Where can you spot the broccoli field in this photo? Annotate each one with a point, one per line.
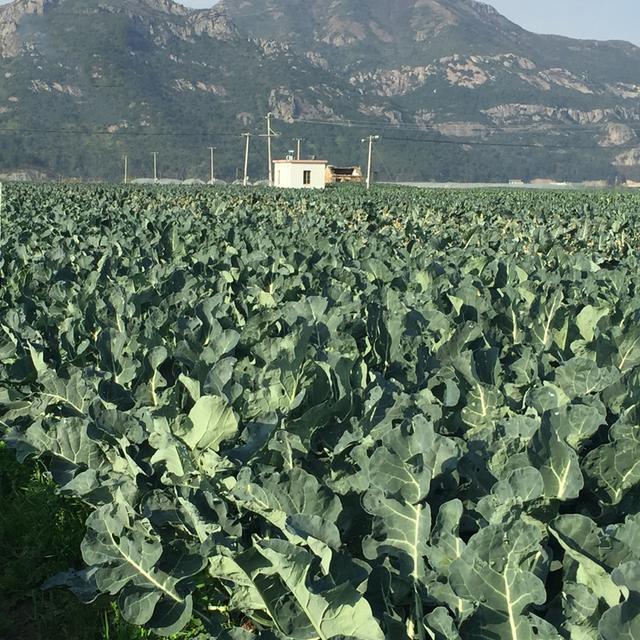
(401, 414)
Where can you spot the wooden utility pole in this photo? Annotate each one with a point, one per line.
(246, 158)
(211, 150)
(126, 169)
(371, 139)
(155, 166)
(298, 143)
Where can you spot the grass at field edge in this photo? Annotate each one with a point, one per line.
(40, 535)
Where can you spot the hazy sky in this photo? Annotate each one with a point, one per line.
(198, 4)
(599, 19)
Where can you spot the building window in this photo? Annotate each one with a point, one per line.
(306, 177)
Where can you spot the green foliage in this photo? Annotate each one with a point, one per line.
(401, 414)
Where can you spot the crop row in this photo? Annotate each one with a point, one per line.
(400, 415)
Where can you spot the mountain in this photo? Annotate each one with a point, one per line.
(456, 90)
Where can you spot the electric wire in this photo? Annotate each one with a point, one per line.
(102, 132)
(475, 143)
(550, 127)
(400, 128)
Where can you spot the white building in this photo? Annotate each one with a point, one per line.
(300, 174)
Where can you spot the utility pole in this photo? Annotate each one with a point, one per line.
(270, 134)
(155, 166)
(370, 159)
(246, 158)
(126, 169)
(211, 150)
(269, 149)
(298, 143)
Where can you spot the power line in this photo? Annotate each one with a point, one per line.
(473, 143)
(520, 145)
(437, 128)
(347, 124)
(413, 128)
(101, 132)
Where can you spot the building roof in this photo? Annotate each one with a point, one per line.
(301, 162)
(345, 170)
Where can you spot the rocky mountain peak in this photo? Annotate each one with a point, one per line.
(352, 34)
(455, 68)
(24, 6)
(15, 9)
(164, 19)
(10, 16)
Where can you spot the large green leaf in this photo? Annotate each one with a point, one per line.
(623, 620)
(400, 530)
(587, 320)
(495, 572)
(614, 468)
(576, 423)
(444, 549)
(628, 350)
(295, 503)
(581, 611)
(594, 553)
(580, 377)
(557, 462)
(128, 558)
(212, 422)
(68, 443)
(336, 611)
(520, 487)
